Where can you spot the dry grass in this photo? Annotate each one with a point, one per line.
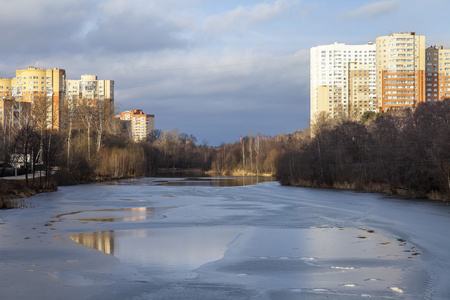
(372, 188)
(12, 191)
(238, 172)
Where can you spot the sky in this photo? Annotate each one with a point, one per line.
(215, 69)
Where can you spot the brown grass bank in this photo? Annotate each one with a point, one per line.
(372, 188)
(12, 190)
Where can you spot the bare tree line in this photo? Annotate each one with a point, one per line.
(252, 155)
(28, 139)
(91, 145)
(403, 152)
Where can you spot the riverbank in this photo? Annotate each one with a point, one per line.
(14, 189)
(238, 172)
(386, 189)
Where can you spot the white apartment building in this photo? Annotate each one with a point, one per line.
(93, 91)
(138, 124)
(343, 80)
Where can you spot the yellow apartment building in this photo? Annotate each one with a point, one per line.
(32, 85)
(52, 90)
(400, 63)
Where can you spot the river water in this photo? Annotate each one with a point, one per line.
(223, 238)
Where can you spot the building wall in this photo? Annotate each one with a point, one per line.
(432, 74)
(400, 61)
(92, 90)
(444, 74)
(12, 111)
(5, 88)
(58, 93)
(362, 90)
(46, 90)
(33, 85)
(330, 74)
(437, 73)
(141, 124)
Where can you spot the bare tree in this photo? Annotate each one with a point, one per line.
(23, 141)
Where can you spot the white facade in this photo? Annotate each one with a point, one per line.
(140, 124)
(91, 90)
(330, 67)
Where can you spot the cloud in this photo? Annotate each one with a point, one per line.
(371, 11)
(121, 27)
(41, 26)
(246, 16)
(232, 88)
(50, 27)
(162, 62)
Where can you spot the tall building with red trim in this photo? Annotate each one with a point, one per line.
(140, 125)
(400, 64)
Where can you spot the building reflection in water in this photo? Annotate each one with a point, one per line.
(163, 248)
(227, 181)
(100, 240)
(117, 215)
(281, 256)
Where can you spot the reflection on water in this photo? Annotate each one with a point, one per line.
(215, 181)
(101, 240)
(163, 248)
(117, 215)
(257, 251)
(223, 181)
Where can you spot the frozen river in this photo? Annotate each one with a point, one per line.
(218, 238)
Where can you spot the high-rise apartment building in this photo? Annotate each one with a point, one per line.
(90, 90)
(33, 85)
(140, 125)
(48, 91)
(437, 73)
(343, 80)
(400, 63)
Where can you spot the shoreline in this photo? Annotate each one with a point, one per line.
(16, 189)
(13, 190)
(385, 189)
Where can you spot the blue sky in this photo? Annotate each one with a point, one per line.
(214, 69)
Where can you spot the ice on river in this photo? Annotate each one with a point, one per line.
(159, 239)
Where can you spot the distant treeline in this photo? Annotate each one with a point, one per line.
(91, 146)
(404, 152)
(251, 155)
(120, 157)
